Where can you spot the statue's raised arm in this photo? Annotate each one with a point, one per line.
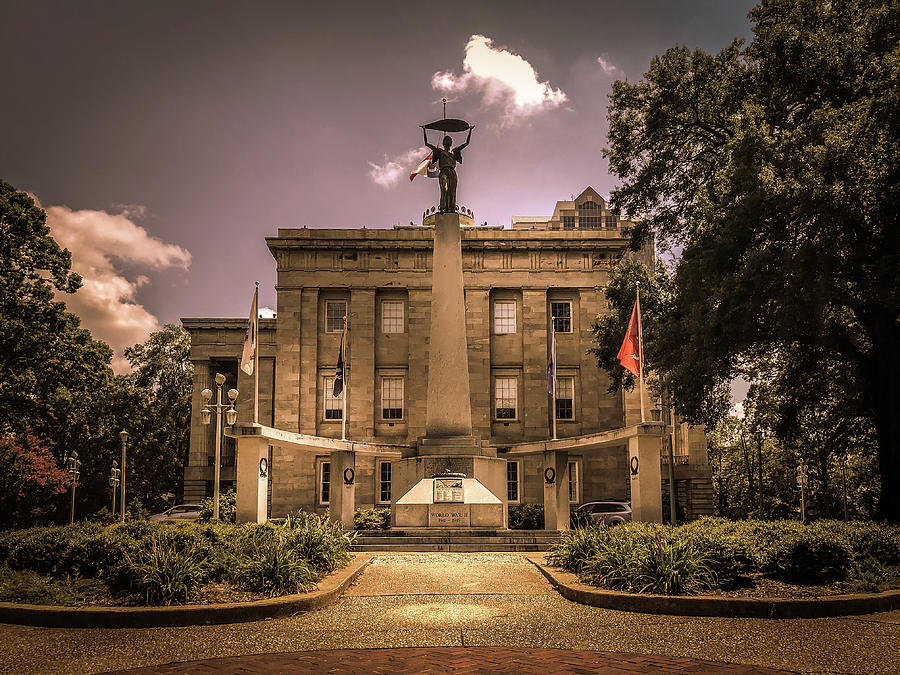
(468, 138)
(433, 148)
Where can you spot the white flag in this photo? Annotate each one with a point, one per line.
(248, 356)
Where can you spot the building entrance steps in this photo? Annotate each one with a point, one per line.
(460, 541)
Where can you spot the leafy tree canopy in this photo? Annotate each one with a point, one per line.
(775, 166)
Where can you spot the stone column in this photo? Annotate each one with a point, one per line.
(448, 411)
(252, 487)
(644, 472)
(342, 500)
(556, 493)
(197, 470)
(287, 360)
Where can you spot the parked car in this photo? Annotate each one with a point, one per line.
(180, 512)
(609, 511)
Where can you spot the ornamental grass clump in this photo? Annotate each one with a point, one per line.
(166, 573)
(577, 546)
(270, 565)
(324, 545)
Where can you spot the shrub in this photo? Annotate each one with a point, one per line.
(271, 566)
(809, 557)
(33, 588)
(372, 519)
(526, 517)
(322, 544)
(166, 573)
(227, 508)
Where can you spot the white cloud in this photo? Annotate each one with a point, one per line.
(266, 313)
(102, 244)
(502, 77)
(608, 66)
(394, 169)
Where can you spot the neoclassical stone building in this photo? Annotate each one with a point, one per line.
(516, 280)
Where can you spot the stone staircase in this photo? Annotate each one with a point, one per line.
(454, 541)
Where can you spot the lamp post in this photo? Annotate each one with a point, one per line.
(114, 483)
(74, 466)
(124, 436)
(231, 418)
(801, 481)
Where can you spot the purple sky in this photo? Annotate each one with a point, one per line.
(170, 138)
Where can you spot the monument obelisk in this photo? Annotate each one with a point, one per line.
(450, 478)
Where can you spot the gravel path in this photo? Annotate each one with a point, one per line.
(465, 599)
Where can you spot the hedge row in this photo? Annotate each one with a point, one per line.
(717, 553)
(163, 563)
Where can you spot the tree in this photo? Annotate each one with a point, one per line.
(775, 166)
(29, 479)
(50, 369)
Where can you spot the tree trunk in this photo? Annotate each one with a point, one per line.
(886, 404)
(749, 470)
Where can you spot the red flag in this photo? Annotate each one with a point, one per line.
(631, 354)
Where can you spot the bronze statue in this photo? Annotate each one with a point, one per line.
(447, 159)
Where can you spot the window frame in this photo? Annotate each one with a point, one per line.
(518, 482)
(515, 318)
(573, 482)
(335, 302)
(556, 398)
(379, 463)
(327, 388)
(515, 390)
(320, 481)
(384, 304)
(553, 324)
(402, 380)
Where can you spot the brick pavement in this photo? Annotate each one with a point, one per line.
(451, 660)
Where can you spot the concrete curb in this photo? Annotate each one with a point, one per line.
(329, 589)
(705, 605)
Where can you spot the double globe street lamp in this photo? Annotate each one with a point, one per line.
(73, 465)
(114, 483)
(230, 418)
(124, 436)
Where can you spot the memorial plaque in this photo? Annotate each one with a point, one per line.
(448, 491)
(448, 515)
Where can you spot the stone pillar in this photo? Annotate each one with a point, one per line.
(252, 484)
(287, 360)
(448, 411)
(556, 493)
(197, 470)
(309, 362)
(644, 473)
(361, 370)
(342, 501)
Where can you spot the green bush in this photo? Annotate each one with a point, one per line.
(227, 507)
(526, 517)
(166, 573)
(36, 589)
(577, 546)
(322, 544)
(271, 566)
(372, 519)
(809, 557)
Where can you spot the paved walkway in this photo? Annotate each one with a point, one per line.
(458, 605)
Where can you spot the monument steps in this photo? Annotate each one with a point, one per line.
(455, 540)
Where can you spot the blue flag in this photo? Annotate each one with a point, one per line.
(339, 370)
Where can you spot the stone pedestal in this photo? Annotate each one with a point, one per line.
(556, 490)
(342, 500)
(644, 474)
(252, 483)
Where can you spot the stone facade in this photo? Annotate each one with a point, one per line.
(514, 279)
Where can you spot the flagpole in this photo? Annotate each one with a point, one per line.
(256, 359)
(641, 347)
(346, 383)
(555, 366)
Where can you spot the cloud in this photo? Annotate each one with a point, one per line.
(102, 244)
(502, 77)
(394, 169)
(608, 66)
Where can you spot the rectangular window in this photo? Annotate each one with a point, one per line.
(565, 398)
(334, 316)
(512, 481)
(392, 398)
(505, 395)
(573, 482)
(324, 482)
(568, 222)
(392, 316)
(334, 405)
(504, 316)
(610, 221)
(384, 482)
(561, 315)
